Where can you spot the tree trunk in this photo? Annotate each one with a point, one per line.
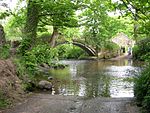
(135, 29)
(2, 36)
(54, 36)
(32, 20)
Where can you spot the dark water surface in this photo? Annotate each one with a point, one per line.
(96, 78)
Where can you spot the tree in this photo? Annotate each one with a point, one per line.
(38, 13)
(30, 27)
(94, 20)
(99, 26)
(59, 14)
(32, 20)
(5, 10)
(139, 11)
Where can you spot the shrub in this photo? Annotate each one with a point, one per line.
(136, 53)
(45, 37)
(27, 64)
(24, 46)
(146, 104)
(111, 46)
(75, 52)
(70, 51)
(146, 57)
(142, 89)
(5, 51)
(142, 50)
(36, 56)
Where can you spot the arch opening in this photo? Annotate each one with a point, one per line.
(87, 49)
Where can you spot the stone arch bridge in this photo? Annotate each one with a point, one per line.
(91, 51)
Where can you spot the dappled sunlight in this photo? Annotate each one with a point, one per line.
(120, 88)
(121, 71)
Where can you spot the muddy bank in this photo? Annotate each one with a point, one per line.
(10, 84)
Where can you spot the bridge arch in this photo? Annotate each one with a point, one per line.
(86, 48)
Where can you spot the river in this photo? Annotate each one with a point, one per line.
(91, 78)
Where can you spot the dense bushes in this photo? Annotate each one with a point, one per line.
(142, 90)
(111, 46)
(142, 83)
(5, 51)
(142, 50)
(39, 54)
(29, 61)
(70, 52)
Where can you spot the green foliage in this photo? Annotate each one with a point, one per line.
(111, 46)
(28, 62)
(44, 35)
(142, 50)
(43, 53)
(15, 24)
(21, 69)
(94, 19)
(24, 74)
(5, 51)
(142, 89)
(146, 104)
(4, 102)
(24, 46)
(139, 12)
(70, 52)
(29, 86)
(146, 57)
(58, 13)
(3, 15)
(75, 52)
(71, 33)
(43, 38)
(136, 52)
(99, 26)
(4, 9)
(38, 55)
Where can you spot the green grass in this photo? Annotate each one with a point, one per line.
(4, 103)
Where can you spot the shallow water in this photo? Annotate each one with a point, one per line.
(96, 78)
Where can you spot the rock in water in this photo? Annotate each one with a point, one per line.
(43, 84)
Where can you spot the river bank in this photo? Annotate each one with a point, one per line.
(87, 81)
(11, 90)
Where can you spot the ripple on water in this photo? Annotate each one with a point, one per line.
(95, 78)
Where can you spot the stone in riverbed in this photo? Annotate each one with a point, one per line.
(43, 84)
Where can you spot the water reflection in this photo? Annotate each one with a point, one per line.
(95, 78)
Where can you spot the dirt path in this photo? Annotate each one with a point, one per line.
(45, 103)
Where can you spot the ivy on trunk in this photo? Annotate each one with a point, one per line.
(32, 20)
